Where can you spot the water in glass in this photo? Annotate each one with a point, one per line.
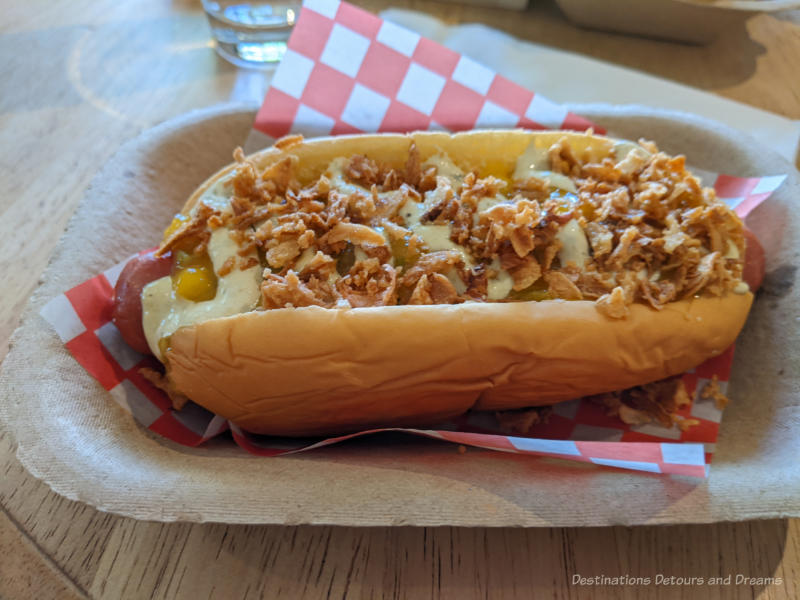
(251, 34)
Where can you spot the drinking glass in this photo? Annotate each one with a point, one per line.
(251, 34)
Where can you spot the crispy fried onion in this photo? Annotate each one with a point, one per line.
(288, 291)
(193, 233)
(515, 222)
(428, 279)
(655, 234)
(166, 385)
(369, 283)
(658, 401)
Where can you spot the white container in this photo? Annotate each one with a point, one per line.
(504, 4)
(690, 21)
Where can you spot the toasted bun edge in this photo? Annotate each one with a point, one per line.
(311, 371)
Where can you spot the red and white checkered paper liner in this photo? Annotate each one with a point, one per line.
(348, 71)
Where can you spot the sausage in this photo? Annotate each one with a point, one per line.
(754, 261)
(127, 311)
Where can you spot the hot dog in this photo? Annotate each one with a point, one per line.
(330, 285)
(127, 311)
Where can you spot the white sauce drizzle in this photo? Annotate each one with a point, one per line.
(411, 212)
(487, 203)
(335, 171)
(305, 258)
(557, 180)
(445, 167)
(633, 160)
(499, 286)
(574, 245)
(732, 251)
(624, 147)
(359, 254)
(164, 311)
(434, 197)
(437, 237)
(535, 162)
(456, 280)
(218, 196)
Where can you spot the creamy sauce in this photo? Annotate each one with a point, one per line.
(434, 197)
(533, 160)
(445, 167)
(164, 311)
(643, 275)
(499, 286)
(335, 172)
(732, 251)
(456, 280)
(359, 254)
(305, 258)
(487, 203)
(218, 196)
(624, 147)
(437, 237)
(574, 245)
(741, 288)
(557, 180)
(411, 212)
(633, 161)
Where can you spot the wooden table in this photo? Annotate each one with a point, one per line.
(81, 77)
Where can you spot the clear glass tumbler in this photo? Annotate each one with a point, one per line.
(251, 34)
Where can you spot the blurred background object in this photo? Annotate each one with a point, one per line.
(691, 21)
(509, 4)
(251, 34)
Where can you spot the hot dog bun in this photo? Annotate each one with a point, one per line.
(313, 370)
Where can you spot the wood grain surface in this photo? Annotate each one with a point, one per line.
(81, 77)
